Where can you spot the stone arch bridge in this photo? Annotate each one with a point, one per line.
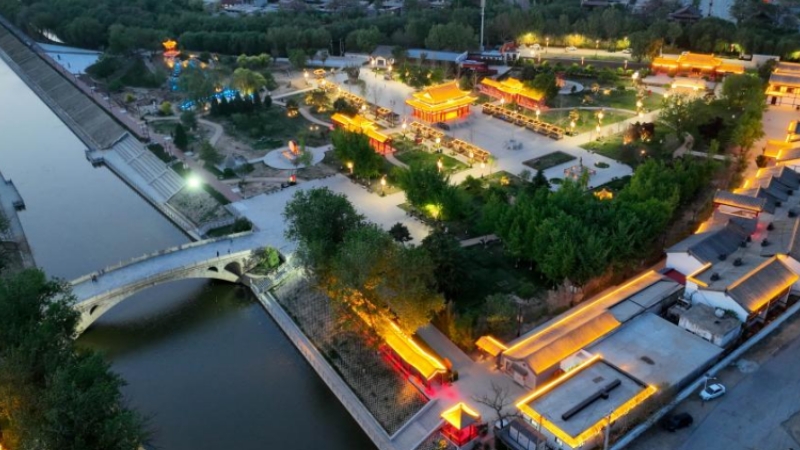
(226, 259)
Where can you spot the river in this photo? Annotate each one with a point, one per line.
(203, 361)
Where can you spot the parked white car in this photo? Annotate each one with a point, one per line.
(712, 391)
(536, 47)
(627, 51)
(571, 49)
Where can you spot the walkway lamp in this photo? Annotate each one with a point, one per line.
(626, 64)
(483, 168)
(438, 142)
(383, 185)
(439, 165)
(596, 47)
(538, 111)
(600, 116)
(305, 76)
(404, 126)
(546, 45)
(641, 114)
(350, 166)
(471, 158)
(193, 181)
(639, 104)
(635, 76)
(572, 126)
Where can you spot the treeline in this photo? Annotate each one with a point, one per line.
(142, 24)
(52, 395)
(239, 105)
(572, 235)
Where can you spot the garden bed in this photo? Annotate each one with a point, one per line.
(449, 164)
(198, 206)
(549, 160)
(388, 396)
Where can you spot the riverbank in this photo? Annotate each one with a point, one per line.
(18, 254)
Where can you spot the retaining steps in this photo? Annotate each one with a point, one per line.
(163, 180)
(93, 125)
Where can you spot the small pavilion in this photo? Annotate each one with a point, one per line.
(170, 48)
(460, 424)
(512, 90)
(442, 103)
(380, 142)
(696, 64)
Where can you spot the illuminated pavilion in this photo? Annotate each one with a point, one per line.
(460, 424)
(696, 64)
(784, 85)
(512, 90)
(441, 103)
(410, 358)
(170, 48)
(380, 142)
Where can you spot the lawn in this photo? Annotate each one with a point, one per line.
(410, 153)
(614, 99)
(587, 120)
(549, 160)
(660, 146)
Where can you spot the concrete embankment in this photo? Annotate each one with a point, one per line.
(106, 140)
(86, 119)
(315, 359)
(10, 203)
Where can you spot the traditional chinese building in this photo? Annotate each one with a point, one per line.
(460, 424)
(784, 85)
(513, 91)
(410, 358)
(441, 103)
(697, 65)
(170, 48)
(380, 142)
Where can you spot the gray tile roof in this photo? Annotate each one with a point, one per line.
(708, 246)
(761, 284)
(740, 201)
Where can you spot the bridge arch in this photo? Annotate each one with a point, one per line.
(96, 295)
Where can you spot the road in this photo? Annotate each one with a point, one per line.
(760, 410)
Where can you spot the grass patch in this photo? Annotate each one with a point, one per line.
(549, 160)
(614, 99)
(449, 165)
(271, 128)
(661, 145)
(587, 119)
(240, 225)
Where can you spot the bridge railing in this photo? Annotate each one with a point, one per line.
(167, 251)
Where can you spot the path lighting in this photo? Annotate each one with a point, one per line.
(596, 47)
(635, 76)
(438, 141)
(546, 44)
(305, 75)
(639, 103)
(600, 116)
(383, 185)
(572, 126)
(538, 111)
(404, 126)
(641, 114)
(626, 64)
(350, 166)
(439, 165)
(193, 181)
(483, 168)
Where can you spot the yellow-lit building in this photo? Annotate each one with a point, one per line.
(784, 85)
(442, 103)
(380, 142)
(512, 90)
(410, 357)
(696, 64)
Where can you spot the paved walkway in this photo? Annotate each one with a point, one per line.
(277, 160)
(479, 240)
(304, 111)
(393, 159)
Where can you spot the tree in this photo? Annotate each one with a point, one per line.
(354, 148)
(318, 220)
(499, 312)
(641, 45)
(52, 395)
(209, 154)
(400, 233)
(545, 83)
(318, 98)
(165, 109)
(497, 399)
(451, 36)
(198, 84)
(180, 138)
(742, 90)
(189, 119)
(298, 58)
(247, 81)
(450, 263)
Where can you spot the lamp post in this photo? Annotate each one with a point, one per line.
(350, 166)
(600, 116)
(383, 185)
(538, 111)
(471, 158)
(439, 165)
(438, 141)
(626, 64)
(404, 126)
(597, 130)
(546, 45)
(572, 127)
(596, 47)
(305, 76)
(483, 168)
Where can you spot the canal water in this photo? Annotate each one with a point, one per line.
(203, 361)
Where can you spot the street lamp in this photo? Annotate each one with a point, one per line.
(193, 181)
(350, 166)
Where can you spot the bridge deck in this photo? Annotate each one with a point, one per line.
(150, 266)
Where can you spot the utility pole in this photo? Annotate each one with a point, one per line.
(483, 14)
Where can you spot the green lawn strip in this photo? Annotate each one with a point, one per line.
(549, 160)
(450, 165)
(631, 154)
(272, 128)
(586, 122)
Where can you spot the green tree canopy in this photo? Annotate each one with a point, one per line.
(350, 147)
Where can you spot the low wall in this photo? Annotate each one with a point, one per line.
(331, 378)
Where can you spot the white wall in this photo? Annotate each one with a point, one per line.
(683, 262)
(717, 299)
(794, 265)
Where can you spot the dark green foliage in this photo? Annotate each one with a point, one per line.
(354, 148)
(400, 233)
(53, 396)
(430, 191)
(180, 137)
(341, 105)
(449, 261)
